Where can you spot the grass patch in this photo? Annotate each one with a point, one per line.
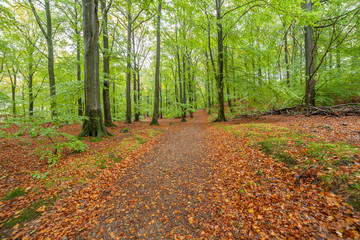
(140, 139)
(334, 161)
(113, 157)
(97, 139)
(18, 192)
(102, 164)
(276, 148)
(27, 214)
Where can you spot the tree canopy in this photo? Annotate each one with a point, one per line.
(246, 54)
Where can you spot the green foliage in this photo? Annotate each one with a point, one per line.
(60, 141)
(39, 175)
(125, 130)
(52, 142)
(18, 192)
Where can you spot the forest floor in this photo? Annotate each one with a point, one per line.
(269, 177)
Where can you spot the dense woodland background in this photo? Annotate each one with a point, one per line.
(252, 55)
(105, 64)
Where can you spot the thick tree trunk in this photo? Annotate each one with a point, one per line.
(309, 59)
(220, 75)
(93, 126)
(155, 117)
(128, 65)
(106, 66)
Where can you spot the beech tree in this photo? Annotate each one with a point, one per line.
(155, 117)
(106, 63)
(93, 125)
(47, 31)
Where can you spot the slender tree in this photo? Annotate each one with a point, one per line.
(46, 30)
(155, 117)
(106, 64)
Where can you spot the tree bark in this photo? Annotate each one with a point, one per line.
(78, 58)
(93, 126)
(106, 66)
(49, 41)
(226, 62)
(286, 56)
(13, 79)
(220, 75)
(309, 59)
(128, 65)
(183, 118)
(155, 117)
(30, 83)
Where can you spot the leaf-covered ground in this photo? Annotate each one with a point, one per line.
(266, 178)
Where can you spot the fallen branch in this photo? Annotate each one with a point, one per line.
(351, 109)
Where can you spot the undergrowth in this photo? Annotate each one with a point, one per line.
(299, 151)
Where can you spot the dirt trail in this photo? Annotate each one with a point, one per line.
(165, 196)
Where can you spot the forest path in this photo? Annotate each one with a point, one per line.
(165, 196)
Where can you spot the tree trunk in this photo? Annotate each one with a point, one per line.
(128, 65)
(30, 86)
(287, 57)
(106, 66)
(137, 113)
(78, 58)
(183, 118)
(93, 126)
(49, 42)
(309, 59)
(180, 81)
(12, 76)
(220, 75)
(155, 117)
(226, 62)
(190, 90)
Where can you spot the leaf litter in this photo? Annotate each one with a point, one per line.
(201, 181)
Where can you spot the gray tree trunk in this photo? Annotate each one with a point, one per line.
(309, 59)
(220, 75)
(128, 65)
(155, 116)
(93, 126)
(286, 56)
(49, 41)
(78, 57)
(106, 66)
(30, 83)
